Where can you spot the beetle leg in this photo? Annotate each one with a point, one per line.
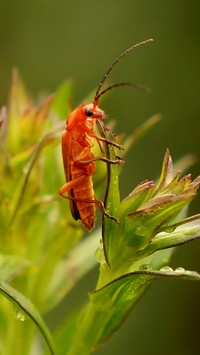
(98, 203)
(108, 129)
(101, 139)
(70, 185)
(100, 146)
(102, 209)
(105, 160)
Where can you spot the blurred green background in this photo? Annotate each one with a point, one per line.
(51, 40)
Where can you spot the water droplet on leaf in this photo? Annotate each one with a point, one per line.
(166, 269)
(145, 267)
(20, 315)
(170, 229)
(180, 270)
(99, 255)
(141, 230)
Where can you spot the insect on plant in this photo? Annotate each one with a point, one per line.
(77, 151)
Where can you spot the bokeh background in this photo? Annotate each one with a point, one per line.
(51, 40)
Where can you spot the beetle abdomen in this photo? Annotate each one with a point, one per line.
(86, 209)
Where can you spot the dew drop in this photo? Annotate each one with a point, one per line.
(145, 267)
(180, 270)
(20, 315)
(166, 269)
(99, 255)
(170, 229)
(141, 230)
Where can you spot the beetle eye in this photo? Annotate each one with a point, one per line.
(88, 112)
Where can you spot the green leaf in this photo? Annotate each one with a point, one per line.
(166, 173)
(141, 226)
(136, 198)
(94, 323)
(18, 98)
(61, 103)
(27, 308)
(181, 235)
(108, 308)
(114, 300)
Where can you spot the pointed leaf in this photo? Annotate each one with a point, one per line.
(166, 173)
(108, 308)
(19, 100)
(61, 104)
(136, 198)
(115, 300)
(181, 235)
(141, 226)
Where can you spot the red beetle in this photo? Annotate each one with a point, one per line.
(78, 157)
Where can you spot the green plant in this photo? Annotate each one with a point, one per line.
(42, 251)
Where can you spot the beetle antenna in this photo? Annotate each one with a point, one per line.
(98, 94)
(114, 86)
